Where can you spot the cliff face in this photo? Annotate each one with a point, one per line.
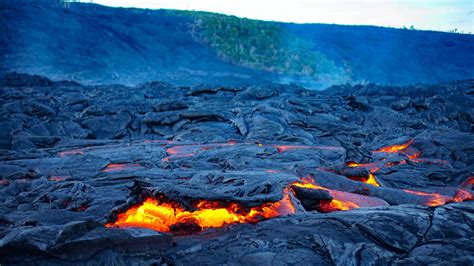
(96, 44)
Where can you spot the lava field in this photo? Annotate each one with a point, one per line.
(269, 175)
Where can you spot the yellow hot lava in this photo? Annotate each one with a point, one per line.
(371, 180)
(118, 167)
(166, 216)
(170, 217)
(338, 203)
(434, 199)
(372, 168)
(395, 148)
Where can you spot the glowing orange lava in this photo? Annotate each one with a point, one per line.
(469, 182)
(372, 180)
(373, 167)
(56, 178)
(273, 171)
(71, 152)
(118, 167)
(354, 164)
(339, 201)
(166, 216)
(434, 199)
(414, 156)
(283, 148)
(338, 205)
(171, 217)
(395, 148)
(462, 195)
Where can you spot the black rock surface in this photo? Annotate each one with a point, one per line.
(72, 157)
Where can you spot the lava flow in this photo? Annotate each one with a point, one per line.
(341, 201)
(71, 152)
(168, 216)
(434, 199)
(395, 148)
(376, 166)
(118, 167)
(165, 216)
(332, 205)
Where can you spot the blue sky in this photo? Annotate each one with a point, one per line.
(443, 15)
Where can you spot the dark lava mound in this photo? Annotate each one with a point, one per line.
(235, 175)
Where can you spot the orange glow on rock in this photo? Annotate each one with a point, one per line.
(469, 182)
(171, 217)
(273, 171)
(166, 216)
(373, 167)
(340, 201)
(372, 180)
(414, 156)
(56, 178)
(395, 148)
(71, 152)
(366, 165)
(434, 199)
(462, 195)
(111, 167)
(283, 148)
(338, 205)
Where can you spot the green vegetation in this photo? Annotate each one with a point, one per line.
(261, 45)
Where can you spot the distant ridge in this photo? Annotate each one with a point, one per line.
(93, 44)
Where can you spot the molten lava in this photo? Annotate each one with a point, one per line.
(365, 165)
(434, 199)
(395, 148)
(469, 182)
(181, 151)
(373, 167)
(372, 181)
(71, 152)
(168, 216)
(462, 195)
(118, 167)
(171, 217)
(56, 178)
(273, 171)
(339, 202)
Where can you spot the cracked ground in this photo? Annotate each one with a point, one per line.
(267, 175)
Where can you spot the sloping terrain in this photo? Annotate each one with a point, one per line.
(238, 175)
(94, 44)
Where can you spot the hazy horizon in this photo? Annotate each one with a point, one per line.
(425, 15)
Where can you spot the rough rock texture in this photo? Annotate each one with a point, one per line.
(72, 157)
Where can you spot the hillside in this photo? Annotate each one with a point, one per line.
(96, 44)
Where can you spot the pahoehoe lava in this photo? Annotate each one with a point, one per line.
(268, 174)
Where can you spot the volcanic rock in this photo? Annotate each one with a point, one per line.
(311, 198)
(74, 158)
